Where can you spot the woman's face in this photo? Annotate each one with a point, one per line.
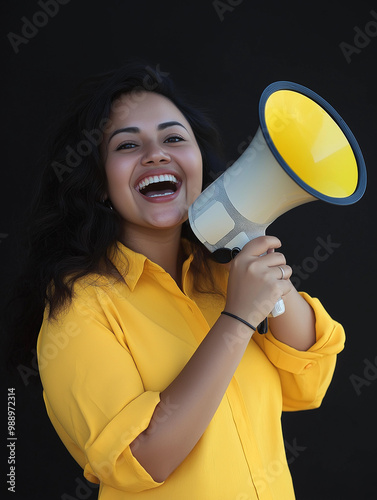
(152, 160)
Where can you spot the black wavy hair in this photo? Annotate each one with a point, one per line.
(70, 231)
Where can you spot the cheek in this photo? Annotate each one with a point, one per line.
(118, 176)
(194, 164)
(196, 174)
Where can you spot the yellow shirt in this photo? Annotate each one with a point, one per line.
(106, 359)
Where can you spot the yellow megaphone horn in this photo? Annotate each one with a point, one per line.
(303, 151)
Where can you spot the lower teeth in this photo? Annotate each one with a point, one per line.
(159, 194)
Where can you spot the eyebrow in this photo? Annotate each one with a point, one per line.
(136, 130)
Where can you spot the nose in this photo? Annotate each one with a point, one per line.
(155, 155)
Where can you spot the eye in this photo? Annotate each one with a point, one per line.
(174, 138)
(126, 145)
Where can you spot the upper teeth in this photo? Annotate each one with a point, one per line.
(154, 179)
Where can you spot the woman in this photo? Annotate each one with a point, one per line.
(154, 392)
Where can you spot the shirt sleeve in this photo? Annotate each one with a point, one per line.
(93, 391)
(306, 375)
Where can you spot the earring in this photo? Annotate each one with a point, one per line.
(107, 204)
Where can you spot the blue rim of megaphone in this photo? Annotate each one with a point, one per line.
(362, 175)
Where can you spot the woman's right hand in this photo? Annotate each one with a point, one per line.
(255, 280)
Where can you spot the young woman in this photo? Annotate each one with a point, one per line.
(154, 392)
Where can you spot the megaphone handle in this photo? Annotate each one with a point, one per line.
(279, 308)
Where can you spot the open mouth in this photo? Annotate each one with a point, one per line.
(158, 185)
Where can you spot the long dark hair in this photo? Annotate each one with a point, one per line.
(70, 231)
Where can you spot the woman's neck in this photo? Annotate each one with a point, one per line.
(163, 247)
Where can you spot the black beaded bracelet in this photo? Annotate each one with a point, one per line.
(239, 319)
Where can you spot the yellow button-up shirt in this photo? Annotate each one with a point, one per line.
(119, 344)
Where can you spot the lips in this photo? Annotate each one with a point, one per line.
(158, 186)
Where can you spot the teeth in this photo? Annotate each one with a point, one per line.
(153, 179)
(157, 195)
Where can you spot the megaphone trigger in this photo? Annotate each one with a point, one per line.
(222, 255)
(225, 255)
(235, 251)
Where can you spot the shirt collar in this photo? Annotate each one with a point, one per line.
(131, 265)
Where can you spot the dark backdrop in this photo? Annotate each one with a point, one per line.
(224, 54)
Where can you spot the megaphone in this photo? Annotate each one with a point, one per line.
(303, 151)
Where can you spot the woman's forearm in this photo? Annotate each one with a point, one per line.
(195, 394)
(192, 399)
(296, 327)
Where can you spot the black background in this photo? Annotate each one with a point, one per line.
(224, 58)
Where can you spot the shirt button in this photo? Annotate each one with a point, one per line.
(309, 365)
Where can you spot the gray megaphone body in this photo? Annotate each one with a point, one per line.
(303, 151)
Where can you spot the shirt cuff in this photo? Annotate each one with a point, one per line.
(330, 340)
(109, 457)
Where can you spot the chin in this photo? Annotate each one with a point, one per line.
(166, 222)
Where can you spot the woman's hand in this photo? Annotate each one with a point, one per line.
(255, 280)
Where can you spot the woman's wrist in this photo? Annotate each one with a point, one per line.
(234, 316)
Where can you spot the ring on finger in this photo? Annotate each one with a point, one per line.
(282, 272)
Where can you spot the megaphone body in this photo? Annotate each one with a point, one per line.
(303, 151)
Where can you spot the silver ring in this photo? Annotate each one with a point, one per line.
(282, 272)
